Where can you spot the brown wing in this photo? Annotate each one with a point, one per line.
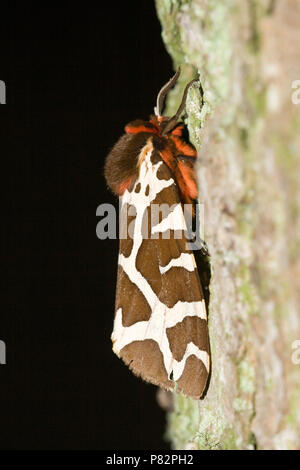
(160, 327)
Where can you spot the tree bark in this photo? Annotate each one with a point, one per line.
(247, 135)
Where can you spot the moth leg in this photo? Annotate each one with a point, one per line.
(203, 247)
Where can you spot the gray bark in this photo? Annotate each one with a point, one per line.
(247, 136)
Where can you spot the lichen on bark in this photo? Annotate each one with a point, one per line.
(248, 142)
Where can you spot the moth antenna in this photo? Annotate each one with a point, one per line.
(164, 90)
(175, 118)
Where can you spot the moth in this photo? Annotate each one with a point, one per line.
(160, 326)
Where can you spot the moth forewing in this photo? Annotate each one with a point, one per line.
(160, 327)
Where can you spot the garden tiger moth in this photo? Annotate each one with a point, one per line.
(160, 327)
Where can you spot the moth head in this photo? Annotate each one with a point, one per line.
(167, 124)
(159, 124)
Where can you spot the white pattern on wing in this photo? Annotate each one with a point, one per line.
(185, 260)
(162, 317)
(174, 221)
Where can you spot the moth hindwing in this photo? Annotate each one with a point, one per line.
(160, 327)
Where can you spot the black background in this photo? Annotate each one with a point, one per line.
(75, 75)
